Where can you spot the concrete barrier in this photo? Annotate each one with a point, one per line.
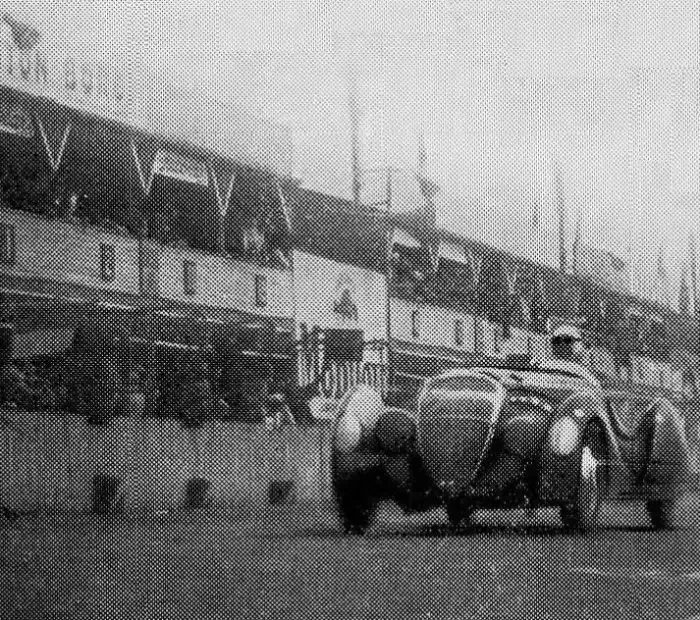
(49, 462)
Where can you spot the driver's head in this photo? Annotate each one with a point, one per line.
(567, 343)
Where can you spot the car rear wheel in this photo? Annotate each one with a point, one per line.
(582, 513)
(662, 513)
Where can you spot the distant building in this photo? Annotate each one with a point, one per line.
(602, 267)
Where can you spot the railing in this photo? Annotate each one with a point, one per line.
(335, 377)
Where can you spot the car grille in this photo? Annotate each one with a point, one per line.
(453, 433)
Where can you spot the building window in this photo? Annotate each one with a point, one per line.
(7, 244)
(107, 262)
(260, 291)
(415, 324)
(459, 333)
(190, 277)
(479, 343)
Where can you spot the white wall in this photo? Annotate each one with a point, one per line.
(436, 325)
(64, 252)
(224, 282)
(318, 282)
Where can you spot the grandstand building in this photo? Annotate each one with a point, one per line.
(142, 262)
(424, 301)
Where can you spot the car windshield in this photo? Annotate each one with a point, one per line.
(465, 383)
(526, 402)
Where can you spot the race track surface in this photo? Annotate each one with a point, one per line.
(293, 562)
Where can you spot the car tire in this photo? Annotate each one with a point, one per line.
(662, 513)
(458, 514)
(582, 512)
(356, 499)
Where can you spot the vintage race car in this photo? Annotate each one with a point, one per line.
(516, 434)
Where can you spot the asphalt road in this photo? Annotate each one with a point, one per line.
(293, 562)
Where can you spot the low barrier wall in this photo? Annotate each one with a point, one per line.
(50, 462)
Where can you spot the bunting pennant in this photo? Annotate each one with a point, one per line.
(54, 136)
(144, 155)
(283, 206)
(24, 36)
(223, 179)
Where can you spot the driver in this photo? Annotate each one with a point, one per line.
(567, 344)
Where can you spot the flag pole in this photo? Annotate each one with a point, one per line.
(354, 133)
(694, 274)
(561, 213)
(577, 244)
(388, 280)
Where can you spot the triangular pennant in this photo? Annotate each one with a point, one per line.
(283, 206)
(223, 176)
(144, 155)
(54, 131)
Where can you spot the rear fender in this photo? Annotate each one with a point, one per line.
(669, 460)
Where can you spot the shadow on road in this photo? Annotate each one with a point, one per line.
(446, 531)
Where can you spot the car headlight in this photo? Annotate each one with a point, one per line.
(564, 436)
(358, 412)
(365, 404)
(348, 432)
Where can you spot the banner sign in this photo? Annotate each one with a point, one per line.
(61, 71)
(175, 166)
(15, 120)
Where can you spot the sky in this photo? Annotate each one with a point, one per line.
(519, 102)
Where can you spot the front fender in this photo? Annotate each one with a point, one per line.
(559, 471)
(354, 446)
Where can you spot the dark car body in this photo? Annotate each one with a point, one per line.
(526, 434)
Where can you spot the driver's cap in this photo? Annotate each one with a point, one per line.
(566, 332)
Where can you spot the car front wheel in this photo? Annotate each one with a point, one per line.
(356, 499)
(582, 512)
(458, 513)
(662, 513)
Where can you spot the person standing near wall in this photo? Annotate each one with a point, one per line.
(196, 402)
(567, 344)
(277, 412)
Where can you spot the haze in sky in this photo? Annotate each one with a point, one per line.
(520, 104)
